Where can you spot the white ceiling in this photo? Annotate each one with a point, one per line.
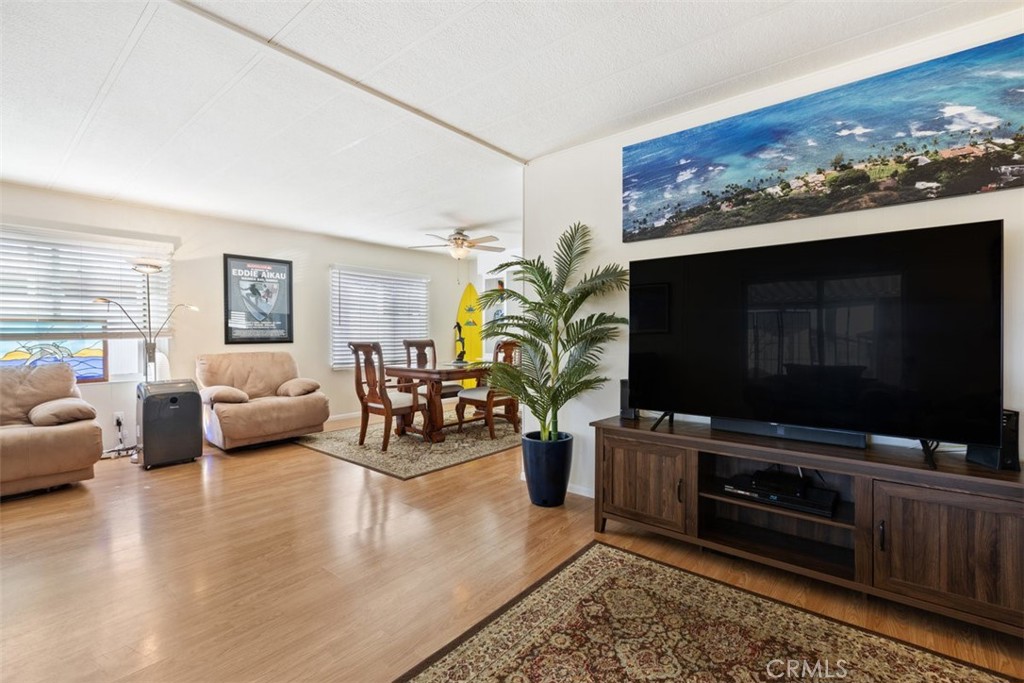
(306, 114)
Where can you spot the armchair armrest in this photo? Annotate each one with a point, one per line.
(221, 393)
(298, 386)
(61, 411)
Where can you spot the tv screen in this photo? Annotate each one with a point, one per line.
(897, 334)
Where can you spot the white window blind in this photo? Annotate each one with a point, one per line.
(49, 281)
(372, 306)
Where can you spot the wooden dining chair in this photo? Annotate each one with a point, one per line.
(426, 357)
(380, 398)
(485, 399)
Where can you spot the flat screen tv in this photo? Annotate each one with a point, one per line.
(896, 334)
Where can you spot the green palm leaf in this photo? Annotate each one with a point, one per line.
(560, 353)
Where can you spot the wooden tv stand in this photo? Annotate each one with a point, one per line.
(949, 540)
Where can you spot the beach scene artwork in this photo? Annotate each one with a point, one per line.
(88, 357)
(946, 127)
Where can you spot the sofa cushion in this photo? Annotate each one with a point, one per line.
(257, 373)
(61, 411)
(222, 394)
(300, 386)
(271, 415)
(37, 451)
(24, 387)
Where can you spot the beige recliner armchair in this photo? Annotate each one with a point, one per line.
(255, 397)
(48, 434)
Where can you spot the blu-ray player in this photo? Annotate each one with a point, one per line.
(812, 500)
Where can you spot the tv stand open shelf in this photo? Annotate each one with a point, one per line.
(949, 540)
(842, 518)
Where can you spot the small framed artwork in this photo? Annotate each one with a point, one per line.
(257, 300)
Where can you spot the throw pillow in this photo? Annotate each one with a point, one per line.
(60, 411)
(299, 386)
(221, 393)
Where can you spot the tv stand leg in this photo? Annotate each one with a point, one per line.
(929, 453)
(671, 421)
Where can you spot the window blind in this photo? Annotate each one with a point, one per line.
(49, 281)
(373, 306)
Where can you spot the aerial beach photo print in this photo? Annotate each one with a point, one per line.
(949, 126)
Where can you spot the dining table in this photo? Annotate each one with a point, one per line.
(433, 429)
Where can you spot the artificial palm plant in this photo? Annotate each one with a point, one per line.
(560, 349)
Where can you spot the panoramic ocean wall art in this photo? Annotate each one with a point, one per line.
(949, 126)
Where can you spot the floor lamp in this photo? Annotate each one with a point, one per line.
(148, 337)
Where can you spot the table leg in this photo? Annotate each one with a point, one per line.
(434, 430)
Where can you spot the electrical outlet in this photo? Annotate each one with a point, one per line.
(119, 419)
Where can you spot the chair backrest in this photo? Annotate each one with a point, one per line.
(257, 373)
(23, 387)
(370, 373)
(507, 351)
(426, 354)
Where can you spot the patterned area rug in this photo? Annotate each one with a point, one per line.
(409, 456)
(608, 615)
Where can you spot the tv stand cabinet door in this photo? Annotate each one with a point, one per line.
(954, 549)
(645, 481)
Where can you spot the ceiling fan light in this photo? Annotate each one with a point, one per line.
(458, 251)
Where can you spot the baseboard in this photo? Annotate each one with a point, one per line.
(585, 491)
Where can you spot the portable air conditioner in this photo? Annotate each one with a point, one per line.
(170, 422)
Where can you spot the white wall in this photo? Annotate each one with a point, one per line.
(585, 184)
(198, 279)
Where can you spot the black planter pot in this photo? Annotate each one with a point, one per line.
(547, 465)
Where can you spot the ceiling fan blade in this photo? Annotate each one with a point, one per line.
(429, 246)
(443, 239)
(481, 240)
(473, 246)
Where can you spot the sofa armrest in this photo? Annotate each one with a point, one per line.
(298, 386)
(221, 393)
(61, 411)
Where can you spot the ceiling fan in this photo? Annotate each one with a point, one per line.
(459, 243)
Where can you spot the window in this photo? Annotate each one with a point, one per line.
(376, 306)
(49, 281)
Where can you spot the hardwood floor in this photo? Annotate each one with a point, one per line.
(281, 563)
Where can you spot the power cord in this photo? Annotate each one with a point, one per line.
(121, 449)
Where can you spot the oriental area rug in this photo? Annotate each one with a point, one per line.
(608, 616)
(409, 456)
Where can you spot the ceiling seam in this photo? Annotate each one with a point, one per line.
(568, 94)
(228, 87)
(524, 55)
(101, 95)
(437, 28)
(342, 78)
(293, 22)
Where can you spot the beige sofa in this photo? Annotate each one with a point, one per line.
(48, 434)
(251, 398)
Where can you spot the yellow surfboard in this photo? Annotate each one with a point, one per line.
(471, 318)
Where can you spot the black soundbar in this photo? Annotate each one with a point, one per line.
(835, 437)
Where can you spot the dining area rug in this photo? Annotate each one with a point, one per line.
(608, 615)
(409, 456)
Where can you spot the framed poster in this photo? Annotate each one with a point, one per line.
(257, 300)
